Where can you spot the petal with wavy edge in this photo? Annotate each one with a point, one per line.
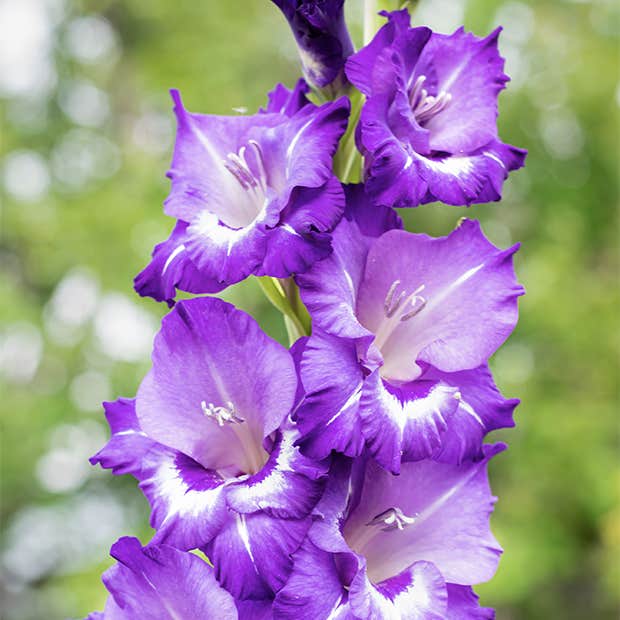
(328, 417)
(405, 422)
(159, 582)
(416, 593)
(447, 283)
(288, 486)
(329, 289)
(463, 604)
(252, 553)
(450, 506)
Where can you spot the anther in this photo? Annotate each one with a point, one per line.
(418, 303)
(425, 106)
(388, 307)
(393, 518)
(237, 164)
(222, 415)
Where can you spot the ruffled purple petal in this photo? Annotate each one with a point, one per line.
(217, 388)
(241, 184)
(364, 68)
(281, 100)
(467, 179)
(302, 236)
(187, 502)
(463, 605)
(200, 177)
(328, 417)
(170, 268)
(299, 152)
(224, 254)
(418, 293)
(416, 593)
(125, 451)
(329, 289)
(444, 519)
(288, 486)
(428, 129)
(471, 70)
(481, 409)
(187, 505)
(159, 582)
(252, 553)
(314, 588)
(405, 422)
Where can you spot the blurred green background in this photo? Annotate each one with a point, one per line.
(87, 131)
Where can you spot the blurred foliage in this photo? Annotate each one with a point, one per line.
(89, 203)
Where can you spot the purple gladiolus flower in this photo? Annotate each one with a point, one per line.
(159, 582)
(403, 547)
(253, 195)
(428, 129)
(209, 440)
(322, 37)
(403, 327)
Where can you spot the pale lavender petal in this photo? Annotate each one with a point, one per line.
(217, 388)
(471, 70)
(447, 508)
(161, 583)
(434, 287)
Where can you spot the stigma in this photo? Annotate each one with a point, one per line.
(222, 414)
(392, 519)
(425, 106)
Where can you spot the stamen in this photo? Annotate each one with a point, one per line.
(392, 519)
(260, 162)
(391, 305)
(237, 164)
(425, 106)
(388, 307)
(417, 308)
(416, 92)
(222, 415)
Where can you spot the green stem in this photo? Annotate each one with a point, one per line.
(370, 20)
(347, 155)
(286, 299)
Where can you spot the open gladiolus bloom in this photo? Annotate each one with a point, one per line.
(346, 475)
